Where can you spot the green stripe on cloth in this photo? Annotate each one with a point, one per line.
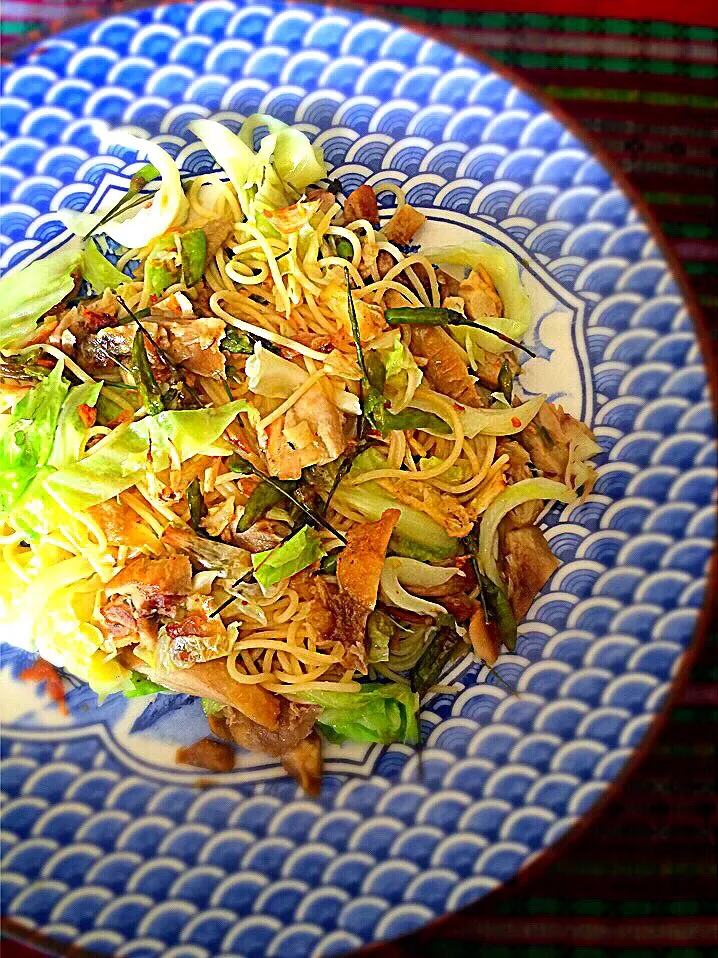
(692, 230)
(656, 97)
(565, 61)
(559, 24)
(11, 28)
(658, 198)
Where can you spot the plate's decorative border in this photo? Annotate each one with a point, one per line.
(232, 871)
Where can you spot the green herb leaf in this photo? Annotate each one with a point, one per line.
(235, 342)
(499, 611)
(144, 378)
(378, 713)
(506, 382)
(196, 503)
(445, 647)
(302, 550)
(143, 686)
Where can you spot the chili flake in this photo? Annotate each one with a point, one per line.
(42, 671)
(87, 414)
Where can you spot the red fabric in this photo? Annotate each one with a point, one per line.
(698, 13)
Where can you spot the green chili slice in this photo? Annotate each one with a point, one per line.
(440, 316)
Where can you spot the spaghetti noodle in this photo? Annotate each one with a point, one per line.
(221, 461)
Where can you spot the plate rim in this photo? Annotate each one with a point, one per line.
(546, 856)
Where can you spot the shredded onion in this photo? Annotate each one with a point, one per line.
(515, 495)
(399, 571)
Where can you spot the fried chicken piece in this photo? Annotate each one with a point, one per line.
(528, 564)
(207, 753)
(361, 204)
(311, 433)
(358, 573)
(403, 225)
(445, 369)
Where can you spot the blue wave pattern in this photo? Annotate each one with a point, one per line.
(122, 863)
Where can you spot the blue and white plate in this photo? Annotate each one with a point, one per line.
(107, 843)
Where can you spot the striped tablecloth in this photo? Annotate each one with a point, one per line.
(642, 881)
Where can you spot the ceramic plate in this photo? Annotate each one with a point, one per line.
(111, 846)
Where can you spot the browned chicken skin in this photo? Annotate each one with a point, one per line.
(445, 369)
(358, 573)
(528, 564)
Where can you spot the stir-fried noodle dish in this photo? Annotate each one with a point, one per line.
(261, 449)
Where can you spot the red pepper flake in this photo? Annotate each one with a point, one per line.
(87, 414)
(286, 353)
(42, 671)
(248, 485)
(323, 346)
(124, 416)
(515, 422)
(373, 433)
(45, 363)
(458, 407)
(238, 442)
(42, 335)
(154, 298)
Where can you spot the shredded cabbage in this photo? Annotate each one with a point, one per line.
(235, 158)
(377, 713)
(580, 473)
(99, 271)
(271, 179)
(403, 376)
(71, 430)
(297, 162)
(416, 534)
(274, 377)
(121, 459)
(29, 292)
(303, 549)
(27, 442)
(525, 491)
(501, 267)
